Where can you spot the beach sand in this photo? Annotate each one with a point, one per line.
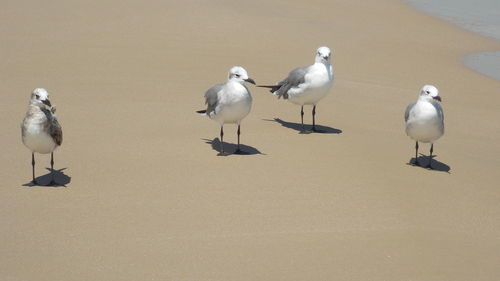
(147, 197)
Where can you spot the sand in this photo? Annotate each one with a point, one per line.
(147, 198)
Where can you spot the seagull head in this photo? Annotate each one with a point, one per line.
(323, 54)
(40, 97)
(429, 93)
(239, 74)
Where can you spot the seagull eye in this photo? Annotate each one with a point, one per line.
(427, 92)
(37, 97)
(237, 75)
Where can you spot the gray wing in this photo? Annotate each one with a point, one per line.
(56, 131)
(439, 110)
(53, 126)
(211, 97)
(294, 79)
(407, 112)
(440, 113)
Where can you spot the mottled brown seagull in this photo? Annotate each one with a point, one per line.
(40, 129)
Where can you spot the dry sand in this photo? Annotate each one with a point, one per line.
(149, 199)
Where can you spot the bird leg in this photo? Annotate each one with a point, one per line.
(302, 117)
(314, 119)
(52, 181)
(33, 166)
(238, 150)
(221, 139)
(416, 153)
(239, 132)
(430, 156)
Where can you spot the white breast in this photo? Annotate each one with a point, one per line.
(234, 103)
(424, 123)
(34, 135)
(318, 82)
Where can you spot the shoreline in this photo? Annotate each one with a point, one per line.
(484, 62)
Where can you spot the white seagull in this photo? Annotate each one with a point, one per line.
(229, 102)
(425, 119)
(307, 85)
(40, 129)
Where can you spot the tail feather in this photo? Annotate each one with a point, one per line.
(272, 87)
(274, 90)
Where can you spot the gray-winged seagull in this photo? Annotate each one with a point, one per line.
(307, 85)
(425, 119)
(229, 102)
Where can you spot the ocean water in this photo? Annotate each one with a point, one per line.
(479, 16)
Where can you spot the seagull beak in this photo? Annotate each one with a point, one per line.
(250, 80)
(437, 98)
(47, 102)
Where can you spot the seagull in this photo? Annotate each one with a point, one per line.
(229, 102)
(40, 129)
(307, 85)
(425, 119)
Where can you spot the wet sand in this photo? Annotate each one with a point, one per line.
(147, 197)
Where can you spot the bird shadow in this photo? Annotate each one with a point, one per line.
(60, 179)
(423, 162)
(230, 148)
(298, 127)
